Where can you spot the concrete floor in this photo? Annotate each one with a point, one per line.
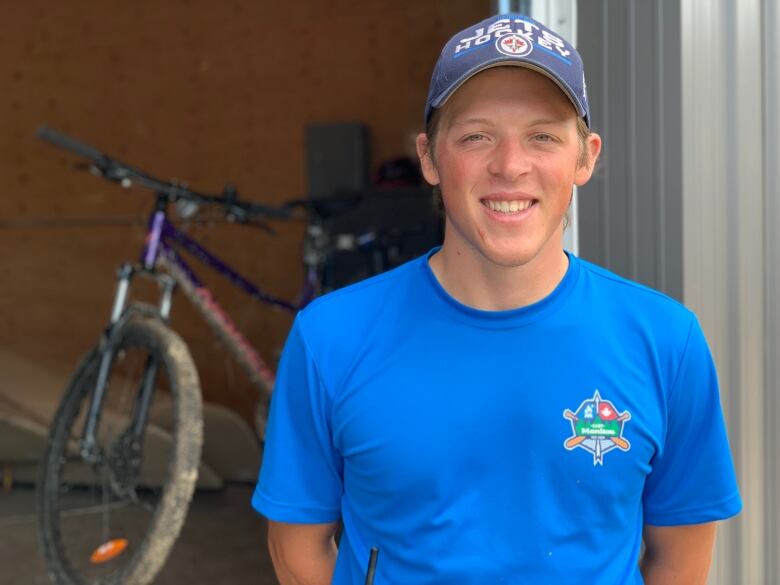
(223, 542)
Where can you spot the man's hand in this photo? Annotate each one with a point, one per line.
(678, 555)
(303, 554)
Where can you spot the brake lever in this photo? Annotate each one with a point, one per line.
(104, 172)
(236, 214)
(111, 173)
(92, 168)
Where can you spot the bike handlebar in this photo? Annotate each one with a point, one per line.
(71, 144)
(116, 171)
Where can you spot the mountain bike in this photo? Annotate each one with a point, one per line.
(122, 456)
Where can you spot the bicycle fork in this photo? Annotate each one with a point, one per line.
(120, 314)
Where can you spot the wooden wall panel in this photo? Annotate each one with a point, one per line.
(204, 91)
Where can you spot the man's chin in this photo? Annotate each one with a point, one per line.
(520, 256)
(510, 258)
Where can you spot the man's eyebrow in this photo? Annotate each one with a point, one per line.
(467, 121)
(485, 121)
(544, 121)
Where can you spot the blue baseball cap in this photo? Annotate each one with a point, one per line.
(508, 39)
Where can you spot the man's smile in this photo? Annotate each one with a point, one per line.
(508, 206)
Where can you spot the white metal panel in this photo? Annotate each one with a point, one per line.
(723, 245)
(748, 187)
(559, 15)
(772, 267)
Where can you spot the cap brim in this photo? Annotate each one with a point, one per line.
(442, 98)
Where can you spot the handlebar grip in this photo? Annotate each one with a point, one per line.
(71, 144)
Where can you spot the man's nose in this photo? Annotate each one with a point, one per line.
(510, 160)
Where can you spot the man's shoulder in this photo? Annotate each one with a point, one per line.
(633, 303)
(623, 290)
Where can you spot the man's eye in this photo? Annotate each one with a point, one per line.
(473, 138)
(544, 138)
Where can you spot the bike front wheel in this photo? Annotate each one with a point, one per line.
(111, 516)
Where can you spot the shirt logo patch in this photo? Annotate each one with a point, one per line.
(597, 427)
(514, 45)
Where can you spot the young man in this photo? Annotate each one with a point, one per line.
(498, 411)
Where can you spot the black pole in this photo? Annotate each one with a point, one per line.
(371, 565)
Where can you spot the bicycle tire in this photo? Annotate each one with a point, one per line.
(146, 554)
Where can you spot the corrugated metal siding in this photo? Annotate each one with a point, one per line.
(687, 199)
(771, 20)
(726, 202)
(629, 213)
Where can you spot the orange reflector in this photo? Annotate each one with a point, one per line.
(108, 550)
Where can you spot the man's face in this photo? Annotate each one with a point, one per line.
(506, 154)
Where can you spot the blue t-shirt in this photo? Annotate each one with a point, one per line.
(478, 447)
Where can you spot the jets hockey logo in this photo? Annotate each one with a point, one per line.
(597, 427)
(514, 45)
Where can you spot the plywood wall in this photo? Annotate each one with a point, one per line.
(204, 91)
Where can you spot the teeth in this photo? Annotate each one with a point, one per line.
(508, 206)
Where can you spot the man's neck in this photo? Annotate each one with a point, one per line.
(479, 283)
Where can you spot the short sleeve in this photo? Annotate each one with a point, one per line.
(692, 478)
(300, 478)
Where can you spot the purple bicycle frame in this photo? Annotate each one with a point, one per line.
(161, 239)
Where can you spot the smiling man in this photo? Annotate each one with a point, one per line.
(498, 411)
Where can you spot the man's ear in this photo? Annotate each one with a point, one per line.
(427, 165)
(593, 148)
